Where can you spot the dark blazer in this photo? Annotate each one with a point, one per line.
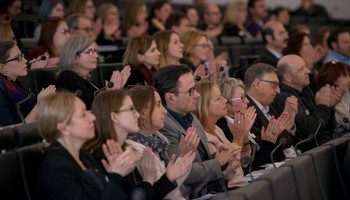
(8, 114)
(263, 155)
(132, 182)
(268, 58)
(61, 177)
(200, 168)
(72, 82)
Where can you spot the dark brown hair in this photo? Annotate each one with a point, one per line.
(329, 72)
(48, 31)
(295, 43)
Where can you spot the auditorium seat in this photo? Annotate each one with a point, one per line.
(11, 184)
(7, 139)
(30, 158)
(27, 134)
(44, 77)
(224, 48)
(105, 71)
(257, 190)
(27, 81)
(282, 183)
(307, 181)
(325, 168)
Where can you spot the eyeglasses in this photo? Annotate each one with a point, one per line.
(190, 91)
(274, 83)
(87, 29)
(203, 45)
(242, 98)
(131, 109)
(64, 31)
(90, 51)
(18, 58)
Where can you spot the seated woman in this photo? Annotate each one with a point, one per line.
(234, 20)
(54, 33)
(160, 12)
(152, 114)
(211, 107)
(48, 8)
(78, 58)
(338, 74)
(116, 117)
(16, 103)
(142, 55)
(6, 33)
(110, 33)
(67, 171)
(170, 48)
(135, 19)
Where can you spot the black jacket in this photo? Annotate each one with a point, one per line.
(61, 177)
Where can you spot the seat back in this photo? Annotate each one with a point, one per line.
(105, 71)
(7, 139)
(44, 77)
(306, 177)
(27, 134)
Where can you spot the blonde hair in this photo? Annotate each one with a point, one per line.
(137, 45)
(104, 9)
(54, 109)
(205, 89)
(190, 39)
(6, 33)
(230, 16)
(162, 39)
(227, 86)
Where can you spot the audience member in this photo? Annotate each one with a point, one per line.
(235, 18)
(319, 42)
(275, 37)
(54, 34)
(262, 87)
(86, 7)
(294, 76)
(160, 12)
(212, 21)
(192, 15)
(176, 87)
(309, 9)
(80, 24)
(257, 17)
(14, 65)
(152, 113)
(6, 33)
(77, 59)
(48, 8)
(67, 171)
(116, 117)
(233, 91)
(14, 8)
(339, 43)
(169, 46)
(110, 33)
(300, 28)
(211, 106)
(135, 19)
(281, 14)
(179, 23)
(338, 74)
(142, 55)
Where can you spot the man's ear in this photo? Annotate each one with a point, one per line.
(256, 83)
(268, 38)
(287, 77)
(169, 97)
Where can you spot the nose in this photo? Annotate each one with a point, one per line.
(137, 114)
(164, 111)
(181, 44)
(245, 101)
(196, 94)
(158, 53)
(92, 117)
(278, 90)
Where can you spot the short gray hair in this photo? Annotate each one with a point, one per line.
(257, 70)
(73, 47)
(228, 86)
(72, 21)
(283, 68)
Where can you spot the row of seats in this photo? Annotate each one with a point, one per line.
(41, 78)
(316, 174)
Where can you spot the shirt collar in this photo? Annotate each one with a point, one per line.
(277, 55)
(264, 109)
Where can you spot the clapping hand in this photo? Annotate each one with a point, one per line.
(148, 167)
(189, 142)
(120, 78)
(181, 167)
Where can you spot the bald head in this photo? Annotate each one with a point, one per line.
(293, 71)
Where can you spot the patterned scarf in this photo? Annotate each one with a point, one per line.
(15, 91)
(156, 141)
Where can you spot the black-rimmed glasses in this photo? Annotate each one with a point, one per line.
(18, 58)
(274, 83)
(190, 91)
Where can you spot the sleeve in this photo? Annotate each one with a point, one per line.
(263, 155)
(163, 186)
(200, 169)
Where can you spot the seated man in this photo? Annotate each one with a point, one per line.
(175, 85)
(339, 43)
(262, 86)
(294, 76)
(178, 22)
